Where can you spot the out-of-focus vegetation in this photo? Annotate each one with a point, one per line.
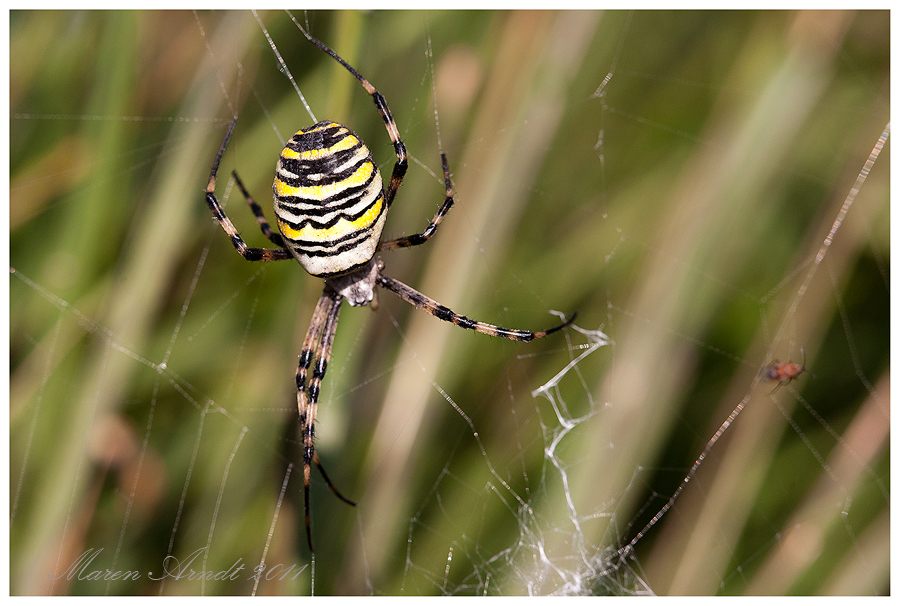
(678, 205)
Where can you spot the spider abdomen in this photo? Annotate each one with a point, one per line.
(329, 199)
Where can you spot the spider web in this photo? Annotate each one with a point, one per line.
(682, 180)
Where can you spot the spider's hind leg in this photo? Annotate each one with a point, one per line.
(422, 238)
(381, 105)
(264, 226)
(250, 254)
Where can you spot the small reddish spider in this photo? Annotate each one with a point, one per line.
(783, 372)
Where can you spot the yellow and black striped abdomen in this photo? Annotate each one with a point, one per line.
(329, 199)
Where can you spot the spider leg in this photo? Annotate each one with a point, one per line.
(336, 492)
(267, 230)
(382, 107)
(411, 295)
(423, 237)
(251, 254)
(318, 341)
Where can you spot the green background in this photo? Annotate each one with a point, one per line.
(679, 207)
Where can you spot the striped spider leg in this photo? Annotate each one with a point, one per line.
(428, 305)
(330, 206)
(250, 254)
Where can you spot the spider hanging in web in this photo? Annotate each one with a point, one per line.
(784, 372)
(330, 206)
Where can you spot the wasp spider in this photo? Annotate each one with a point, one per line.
(330, 205)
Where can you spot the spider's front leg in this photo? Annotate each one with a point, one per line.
(318, 341)
(441, 312)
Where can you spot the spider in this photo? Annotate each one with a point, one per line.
(784, 372)
(330, 205)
